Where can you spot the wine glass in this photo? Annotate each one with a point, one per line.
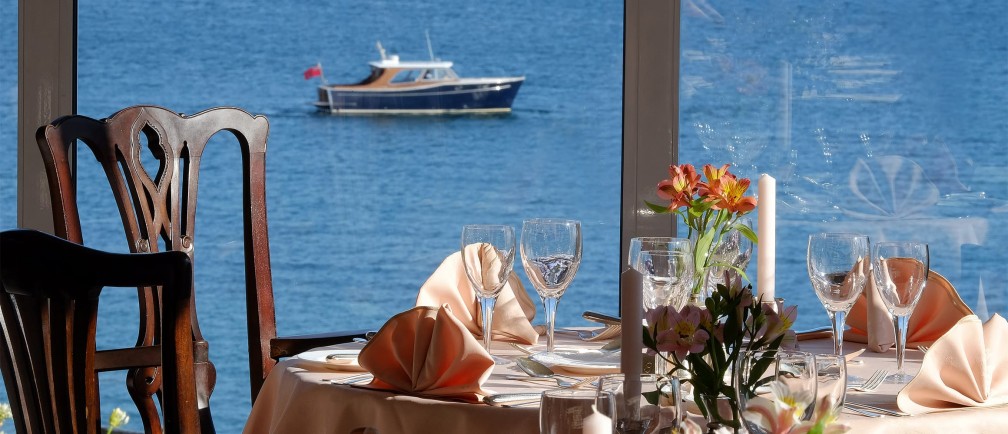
(837, 266)
(488, 253)
(551, 254)
(900, 270)
(768, 375)
(667, 274)
(640, 244)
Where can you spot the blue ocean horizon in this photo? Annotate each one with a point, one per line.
(363, 209)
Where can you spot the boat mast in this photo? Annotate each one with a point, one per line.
(430, 50)
(381, 50)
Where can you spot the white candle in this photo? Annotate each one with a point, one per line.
(597, 423)
(766, 261)
(632, 337)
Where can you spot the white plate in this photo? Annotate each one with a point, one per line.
(584, 362)
(342, 360)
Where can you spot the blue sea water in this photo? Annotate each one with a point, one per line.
(363, 209)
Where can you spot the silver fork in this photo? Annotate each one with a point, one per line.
(922, 348)
(872, 382)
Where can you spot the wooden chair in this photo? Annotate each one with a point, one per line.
(161, 202)
(48, 306)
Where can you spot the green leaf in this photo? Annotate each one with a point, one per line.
(659, 209)
(748, 232)
(652, 397)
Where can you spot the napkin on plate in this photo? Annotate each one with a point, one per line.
(426, 351)
(967, 367)
(513, 313)
(938, 309)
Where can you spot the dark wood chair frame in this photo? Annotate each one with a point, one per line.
(162, 203)
(48, 311)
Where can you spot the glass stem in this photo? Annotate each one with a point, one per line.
(837, 320)
(550, 304)
(487, 305)
(901, 332)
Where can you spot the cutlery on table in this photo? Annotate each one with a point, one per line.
(860, 411)
(877, 410)
(524, 350)
(353, 379)
(510, 399)
(602, 318)
(559, 381)
(923, 348)
(872, 382)
(539, 370)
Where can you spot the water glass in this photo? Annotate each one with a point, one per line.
(667, 275)
(563, 411)
(651, 403)
(488, 253)
(641, 244)
(837, 266)
(901, 271)
(551, 254)
(765, 376)
(831, 381)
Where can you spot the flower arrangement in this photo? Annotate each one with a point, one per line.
(710, 207)
(706, 341)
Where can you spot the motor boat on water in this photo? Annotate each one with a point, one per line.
(416, 87)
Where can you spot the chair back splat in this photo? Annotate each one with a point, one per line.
(49, 291)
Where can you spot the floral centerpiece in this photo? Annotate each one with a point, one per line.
(706, 342)
(711, 208)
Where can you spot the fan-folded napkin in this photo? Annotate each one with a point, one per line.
(514, 311)
(426, 351)
(938, 309)
(967, 367)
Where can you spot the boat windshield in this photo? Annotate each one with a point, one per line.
(375, 73)
(438, 74)
(405, 76)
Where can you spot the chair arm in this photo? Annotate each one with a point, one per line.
(291, 345)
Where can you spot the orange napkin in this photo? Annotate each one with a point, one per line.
(967, 367)
(938, 309)
(426, 351)
(513, 313)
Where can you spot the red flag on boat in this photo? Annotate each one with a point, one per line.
(315, 71)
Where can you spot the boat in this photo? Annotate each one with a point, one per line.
(417, 87)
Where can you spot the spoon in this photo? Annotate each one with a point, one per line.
(538, 370)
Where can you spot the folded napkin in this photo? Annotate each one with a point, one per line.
(967, 367)
(938, 309)
(513, 313)
(426, 351)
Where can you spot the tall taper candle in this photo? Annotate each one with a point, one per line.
(766, 261)
(632, 337)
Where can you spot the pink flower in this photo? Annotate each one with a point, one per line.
(683, 334)
(825, 421)
(778, 323)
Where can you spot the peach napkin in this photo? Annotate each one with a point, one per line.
(938, 309)
(967, 367)
(426, 351)
(513, 314)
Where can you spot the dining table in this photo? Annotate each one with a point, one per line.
(304, 395)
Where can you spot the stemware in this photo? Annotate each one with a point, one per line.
(634, 412)
(901, 270)
(667, 274)
(564, 411)
(837, 266)
(551, 254)
(764, 376)
(831, 381)
(640, 244)
(488, 253)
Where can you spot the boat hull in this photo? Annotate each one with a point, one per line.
(464, 96)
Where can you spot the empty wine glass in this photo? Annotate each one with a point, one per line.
(488, 253)
(551, 254)
(640, 244)
(667, 274)
(837, 266)
(901, 271)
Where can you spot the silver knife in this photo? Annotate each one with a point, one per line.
(505, 399)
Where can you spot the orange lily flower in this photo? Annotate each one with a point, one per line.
(729, 194)
(680, 186)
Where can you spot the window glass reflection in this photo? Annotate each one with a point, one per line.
(885, 119)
